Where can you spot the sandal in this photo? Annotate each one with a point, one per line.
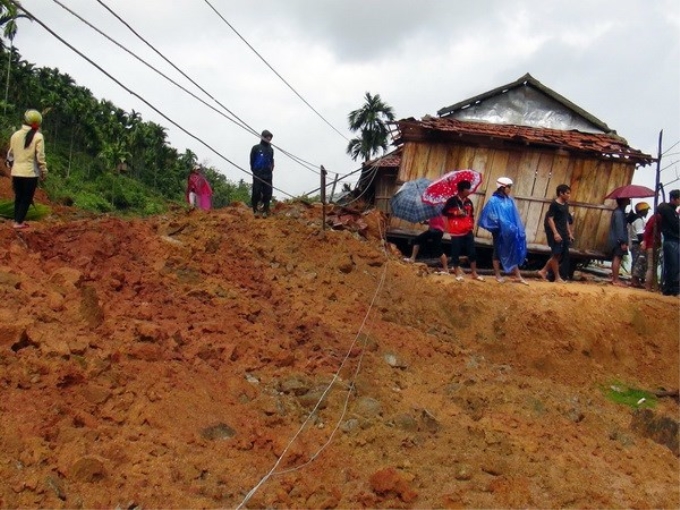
(500, 279)
(459, 278)
(20, 226)
(479, 278)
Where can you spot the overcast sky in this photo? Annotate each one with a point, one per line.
(619, 60)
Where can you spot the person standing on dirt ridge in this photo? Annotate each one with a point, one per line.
(636, 230)
(558, 231)
(433, 234)
(500, 216)
(262, 167)
(643, 268)
(199, 192)
(26, 158)
(670, 229)
(617, 242)
(461, 219)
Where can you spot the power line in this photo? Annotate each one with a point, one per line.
(669, 165)
(238, 121)
(669, 148)
(128, 90)
(243, 124)
(274, 70)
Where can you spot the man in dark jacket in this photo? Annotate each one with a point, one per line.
(670, 229)
(262, 167)
(618, 239)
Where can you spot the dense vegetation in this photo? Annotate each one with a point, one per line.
(100, 157)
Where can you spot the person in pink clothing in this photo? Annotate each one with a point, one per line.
(460, 214)
(434, 233)
(199, 192)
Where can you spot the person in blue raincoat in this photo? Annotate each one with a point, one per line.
(501, 217)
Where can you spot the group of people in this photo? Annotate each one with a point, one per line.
(199, 192)
(630, 234)
(26, 159)
(499, 216)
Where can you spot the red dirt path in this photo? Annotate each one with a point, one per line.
(169, 362)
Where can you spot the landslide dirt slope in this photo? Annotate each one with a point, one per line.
(172, 362)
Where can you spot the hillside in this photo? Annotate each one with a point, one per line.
(171, 362)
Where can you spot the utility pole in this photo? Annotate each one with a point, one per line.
(657, 188)
(323, 197)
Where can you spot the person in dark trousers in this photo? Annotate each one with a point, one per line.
(636, 230)
(558, 232)
(618, 239)
(566, 270)
(433, 235)
(461, 219)
(262, 167)
(670, 230)
(26, 157)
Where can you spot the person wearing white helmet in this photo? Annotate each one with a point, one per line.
(26, 158)
(500, 216)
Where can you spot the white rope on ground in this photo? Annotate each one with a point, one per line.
(336, 376)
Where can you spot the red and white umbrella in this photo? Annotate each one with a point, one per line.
(447, 185)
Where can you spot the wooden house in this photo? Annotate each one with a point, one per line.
(529, 133)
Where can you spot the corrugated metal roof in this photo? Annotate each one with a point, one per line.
(608, 145)
(525, 81)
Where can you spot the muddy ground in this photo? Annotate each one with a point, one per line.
(212, 360)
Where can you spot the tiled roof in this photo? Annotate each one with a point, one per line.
(608, 145)
(390, 160)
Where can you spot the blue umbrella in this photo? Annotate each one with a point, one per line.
(408, 205)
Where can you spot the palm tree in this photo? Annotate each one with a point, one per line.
(8, 22)
(371, 120)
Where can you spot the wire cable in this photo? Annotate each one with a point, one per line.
(274, 70)
(336, 375)
(669, 148)
(239, 121)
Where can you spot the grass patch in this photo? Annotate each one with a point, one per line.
(35, 212)
(632, 397)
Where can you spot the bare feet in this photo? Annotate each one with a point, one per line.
(543, 274)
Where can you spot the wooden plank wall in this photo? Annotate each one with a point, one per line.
(536, 174)
(385, 189)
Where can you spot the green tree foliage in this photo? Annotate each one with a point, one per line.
(371, 122)
(100, 157)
